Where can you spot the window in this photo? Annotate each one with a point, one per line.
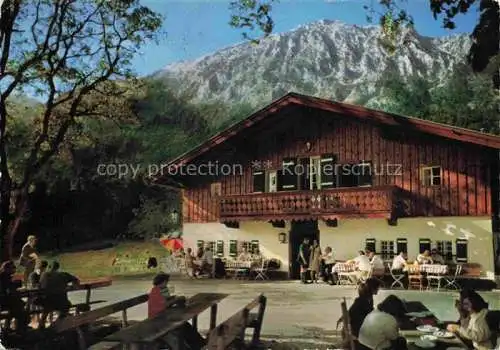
(255, 247)
(233, 248)
(220, 248)
(315, 173)
(303, 173)
(423, 245)
(287, 177)
(346, 177)
(370, 244)
(215, 189)
(401, 245)
(387, 249)
(446, 250)
(259, 181)
(364, 172)
(431, 176)
(462, 255)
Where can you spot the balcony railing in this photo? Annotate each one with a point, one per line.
(331, 203)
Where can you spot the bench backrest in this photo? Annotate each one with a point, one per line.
(234, 327)
(72, 322)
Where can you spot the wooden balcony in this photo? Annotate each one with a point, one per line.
(306, 205)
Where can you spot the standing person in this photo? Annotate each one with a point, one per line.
(315, 261)
(303, 259)
(28, 259)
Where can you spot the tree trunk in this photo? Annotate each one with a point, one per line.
(21, 203)
(5, 186)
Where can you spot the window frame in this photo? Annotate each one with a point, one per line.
(430, 171)
(387, 254)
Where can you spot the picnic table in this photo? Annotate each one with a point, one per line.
(410, 324)
(88, 286)
(151, 330)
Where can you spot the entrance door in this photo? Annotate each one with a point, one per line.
(299, 231)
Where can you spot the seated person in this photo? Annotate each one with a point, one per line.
(34, 277)
(244, 255)
(55, 284)
(207, 261)
(399, 263)
(377, 263)
(424, 258)
(191, 267)
(476, 329)
(380, 329)
(363, 304)
(363, 265)
(157, 303)
(436, 257)
(327, 262)
(11, 300)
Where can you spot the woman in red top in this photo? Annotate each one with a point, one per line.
(157, 301)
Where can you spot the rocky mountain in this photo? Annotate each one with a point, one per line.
(327, 59)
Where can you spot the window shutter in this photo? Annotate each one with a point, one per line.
(370, 244)
(328, 176)
(424, 244)
(365, 177)
(462, 250)
(303, 173)
(401, 245)
(233, 248)
(289, 177)
(259, 181)
(220, 248)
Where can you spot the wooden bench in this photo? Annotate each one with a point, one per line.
(94, 315)
(233, 329)
(145, 334)
(78, 321)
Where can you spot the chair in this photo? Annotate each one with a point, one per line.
(396, 277)
(347, 336)
(261, 272)
(415, 277)
(345, 273)
(451, 281)
(435, 273)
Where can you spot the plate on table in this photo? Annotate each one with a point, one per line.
(444, 334)
(429, 337)
(420, 314)
(425, 344)
(427, 329)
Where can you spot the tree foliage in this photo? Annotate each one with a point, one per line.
(64, 51)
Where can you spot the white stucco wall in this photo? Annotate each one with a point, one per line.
(349, 236)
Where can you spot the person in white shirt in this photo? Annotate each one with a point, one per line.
(477, 329)
(377, 263)
(245, 255)
(380, 329)
(363, 265)
(207, 261)
(424, 258)
(328, 260)
(399, 262)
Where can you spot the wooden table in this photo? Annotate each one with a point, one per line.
(151, 330)
(88, 286)
(409, 331)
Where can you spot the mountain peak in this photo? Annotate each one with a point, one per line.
(326, 58)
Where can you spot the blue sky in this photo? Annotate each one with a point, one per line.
(198, 27)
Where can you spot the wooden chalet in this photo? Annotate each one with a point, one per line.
(346, 175)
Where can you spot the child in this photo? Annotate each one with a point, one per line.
(159, 295)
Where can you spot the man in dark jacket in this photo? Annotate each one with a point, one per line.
(54, 284)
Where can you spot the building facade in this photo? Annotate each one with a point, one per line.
(348, 176)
